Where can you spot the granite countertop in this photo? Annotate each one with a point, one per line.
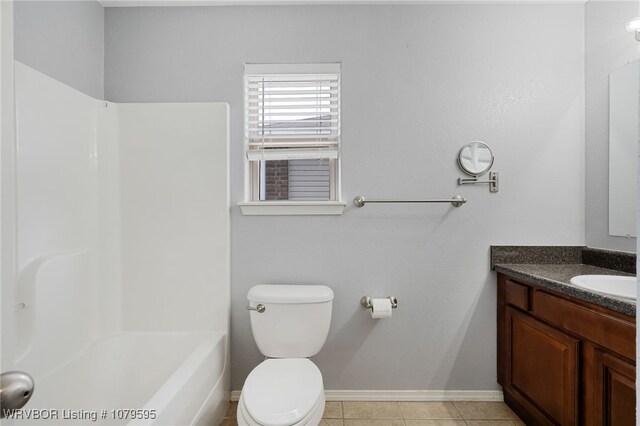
(539, 267)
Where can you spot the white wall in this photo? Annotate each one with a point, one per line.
(63, 39)
(418, 82)
(608, 47)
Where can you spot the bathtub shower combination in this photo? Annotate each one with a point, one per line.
(122, 292)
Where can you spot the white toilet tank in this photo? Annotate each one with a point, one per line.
(295, 322)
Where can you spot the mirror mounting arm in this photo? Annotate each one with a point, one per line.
(493, 181)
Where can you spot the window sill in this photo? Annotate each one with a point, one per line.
(292, 208)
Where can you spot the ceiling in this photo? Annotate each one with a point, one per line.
(139, 3)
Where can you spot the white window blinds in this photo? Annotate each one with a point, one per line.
(294, 113)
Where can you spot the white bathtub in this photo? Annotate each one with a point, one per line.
(176, 378)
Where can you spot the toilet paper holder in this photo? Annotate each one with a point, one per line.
(366, 302)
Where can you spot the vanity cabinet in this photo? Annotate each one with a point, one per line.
(615, 392)
(562, 361)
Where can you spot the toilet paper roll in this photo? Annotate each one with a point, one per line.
(381, 308)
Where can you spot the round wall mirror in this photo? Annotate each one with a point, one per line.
(475, 158)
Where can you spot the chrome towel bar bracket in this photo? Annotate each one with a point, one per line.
(456, 201)
(366, 302)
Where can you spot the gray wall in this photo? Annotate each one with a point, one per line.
(63, 39)
(608, 46)
(418, 82)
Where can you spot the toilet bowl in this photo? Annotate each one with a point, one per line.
(282, 392)
(289, 323)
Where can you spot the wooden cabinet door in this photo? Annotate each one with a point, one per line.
(615, 391)
(542, 368)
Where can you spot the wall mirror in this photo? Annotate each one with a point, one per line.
(475, 158)
(624, 86)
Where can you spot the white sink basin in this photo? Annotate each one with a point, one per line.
(608, 284)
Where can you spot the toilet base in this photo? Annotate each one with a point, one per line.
(313, 419)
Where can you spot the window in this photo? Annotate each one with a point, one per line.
(292, 134)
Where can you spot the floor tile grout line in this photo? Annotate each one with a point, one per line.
(459, 412)
(400, 411)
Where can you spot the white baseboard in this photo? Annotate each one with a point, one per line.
(405, 395)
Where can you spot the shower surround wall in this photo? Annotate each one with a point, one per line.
(418, 82)
(122, 251)
(59, 255)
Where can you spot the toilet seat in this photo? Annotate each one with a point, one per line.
(282, 392)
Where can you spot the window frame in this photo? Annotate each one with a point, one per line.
(254, 206)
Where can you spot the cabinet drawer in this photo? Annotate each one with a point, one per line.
(517, 295)
(608, 331)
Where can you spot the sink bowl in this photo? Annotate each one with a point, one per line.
(613, 285)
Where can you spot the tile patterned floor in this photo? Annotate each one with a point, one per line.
(458, 413)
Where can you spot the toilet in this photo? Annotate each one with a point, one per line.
(290, 323)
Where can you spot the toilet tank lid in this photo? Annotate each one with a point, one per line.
(285, 293)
